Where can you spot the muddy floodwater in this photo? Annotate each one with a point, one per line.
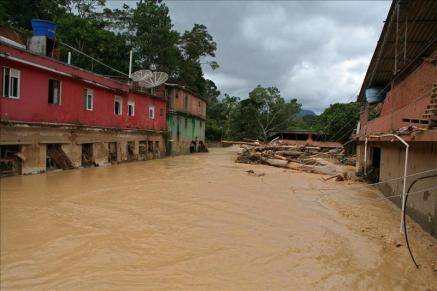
(203, 222)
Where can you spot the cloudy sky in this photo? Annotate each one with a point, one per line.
(315, 51)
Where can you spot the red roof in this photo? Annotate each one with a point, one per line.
(50, 64)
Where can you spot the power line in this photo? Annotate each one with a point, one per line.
(88, 56)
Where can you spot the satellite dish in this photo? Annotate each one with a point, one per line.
(140, 75)
(153, 80)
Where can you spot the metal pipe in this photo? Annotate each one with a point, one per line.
(405, 40)
(365, 157)
(69, 58)
(404, 187)
(397, 38)
(130, 63)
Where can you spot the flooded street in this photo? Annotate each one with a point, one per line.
(203, 222)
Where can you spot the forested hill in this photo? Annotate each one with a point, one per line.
(109, 34)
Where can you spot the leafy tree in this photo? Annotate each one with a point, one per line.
(339, 120)
(265, 111)
(220, 118)
(195, 45)
(83, 8)
(18, 14)
(154, 39)
(90, 36)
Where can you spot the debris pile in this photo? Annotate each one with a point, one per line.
(299, 158)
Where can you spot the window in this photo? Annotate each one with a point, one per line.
(54, 92)
(201, 124)
(131, 108)
(89, 102)
(186, 103)
(118, 105)
(11, 83)
(199, 103)
(161, 112)
(151, 112)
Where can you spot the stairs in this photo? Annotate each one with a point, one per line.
(431, 109)
(430, 115)
(60, 158)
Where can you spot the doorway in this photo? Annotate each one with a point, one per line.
(87, 155)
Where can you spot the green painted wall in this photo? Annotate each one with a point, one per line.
(182, 130)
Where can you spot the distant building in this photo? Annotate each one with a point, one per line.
(305, 138)
(399, 102)
(186, 120)
(54, 115)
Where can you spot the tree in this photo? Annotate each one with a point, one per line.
(18, 14)
(220, 118)
(339, 120)
(154, 39)
(264, 112)
(195, 45)
(90, 36)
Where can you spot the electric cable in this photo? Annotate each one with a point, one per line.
(405, 213)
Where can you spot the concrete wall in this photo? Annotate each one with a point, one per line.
(422, 207)
(189, 128)
(33, 142)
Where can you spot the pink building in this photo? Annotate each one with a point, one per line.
(397, 132)
(55, 115)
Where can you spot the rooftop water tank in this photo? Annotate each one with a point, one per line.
(42, 27)
(375, 95)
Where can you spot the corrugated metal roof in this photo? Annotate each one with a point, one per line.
(409, 32)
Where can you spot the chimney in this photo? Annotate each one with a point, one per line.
(43, 40)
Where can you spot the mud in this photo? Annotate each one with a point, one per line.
(203, 222)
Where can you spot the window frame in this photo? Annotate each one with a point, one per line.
(60, 92)
(13, 73)
(151, 108)
(118, 99)
(131, 104)
(89, 92)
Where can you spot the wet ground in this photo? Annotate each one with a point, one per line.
(203, 222)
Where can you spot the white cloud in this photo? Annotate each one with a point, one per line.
(316, 51)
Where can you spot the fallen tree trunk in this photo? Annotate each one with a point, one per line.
(255, 143)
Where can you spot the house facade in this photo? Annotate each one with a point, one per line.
(186, 121)
(54, 115)
(397, 132)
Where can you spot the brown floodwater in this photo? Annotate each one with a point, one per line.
(203, 222)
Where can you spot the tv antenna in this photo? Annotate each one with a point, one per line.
(153, 80)
(140, 75)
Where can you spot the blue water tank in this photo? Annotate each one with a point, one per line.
(375, 95)
(42, 27)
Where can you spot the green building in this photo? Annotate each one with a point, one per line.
(186, 121)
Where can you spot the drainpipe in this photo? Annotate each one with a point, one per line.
(404, 187)
(365, 157)
(130, 64)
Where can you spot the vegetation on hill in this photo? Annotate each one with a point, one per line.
(109, 34)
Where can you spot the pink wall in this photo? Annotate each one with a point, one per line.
(406, 99)
(33, 106)
(196, 106)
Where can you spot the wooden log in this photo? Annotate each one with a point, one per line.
(280, 157)
(275, 162)
(289, 153)
(241, 142)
